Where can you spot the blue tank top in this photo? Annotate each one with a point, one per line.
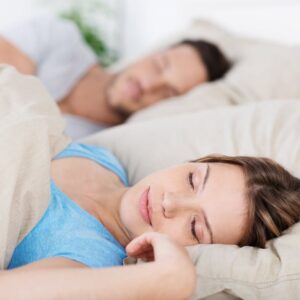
(67, 230)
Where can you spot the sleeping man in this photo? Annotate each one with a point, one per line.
(92, 98)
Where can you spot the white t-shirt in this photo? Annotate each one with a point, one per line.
(62, 58)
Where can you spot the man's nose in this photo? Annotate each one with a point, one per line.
(175, 203)
(152, 82)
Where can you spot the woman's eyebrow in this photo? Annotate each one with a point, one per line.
(207, 173)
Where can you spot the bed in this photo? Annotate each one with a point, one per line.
(254, 110)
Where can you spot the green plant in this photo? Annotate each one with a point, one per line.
(81, 13)
(92, 36)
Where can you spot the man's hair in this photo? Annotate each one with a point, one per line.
(273, 196)
(213, 58)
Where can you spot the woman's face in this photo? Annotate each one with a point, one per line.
(193, 203)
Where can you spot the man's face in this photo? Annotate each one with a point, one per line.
(166, 74)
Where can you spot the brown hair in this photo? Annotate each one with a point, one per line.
(273, 195)
(213, 58)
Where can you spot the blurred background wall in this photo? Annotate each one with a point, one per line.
(136, 25)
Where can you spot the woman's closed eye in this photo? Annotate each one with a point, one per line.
(193, 230)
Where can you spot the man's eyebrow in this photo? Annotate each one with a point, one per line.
(166, 60)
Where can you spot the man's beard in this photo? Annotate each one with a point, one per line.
(120, 111)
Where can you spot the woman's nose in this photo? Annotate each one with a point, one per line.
(174, 204)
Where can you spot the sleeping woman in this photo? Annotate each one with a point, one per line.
(94, 220)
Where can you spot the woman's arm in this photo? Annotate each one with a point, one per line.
(147, 281)
(170, 276)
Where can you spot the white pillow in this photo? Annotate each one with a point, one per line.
(269, 128)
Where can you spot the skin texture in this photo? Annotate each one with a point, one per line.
(108, 98)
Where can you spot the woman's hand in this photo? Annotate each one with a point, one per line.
(167, 255)
(156, 246)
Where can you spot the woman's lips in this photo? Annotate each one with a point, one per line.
(144, 206)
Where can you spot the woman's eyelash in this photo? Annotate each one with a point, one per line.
(193, 230)
(191, 180)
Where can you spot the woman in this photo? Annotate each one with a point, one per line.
(93, 215)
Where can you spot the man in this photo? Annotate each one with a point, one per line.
(92, 98)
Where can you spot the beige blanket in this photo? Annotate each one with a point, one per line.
(31, 134)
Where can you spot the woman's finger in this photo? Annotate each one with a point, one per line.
(150, 242)
(139, 245)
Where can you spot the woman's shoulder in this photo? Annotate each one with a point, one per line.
(98, 154)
